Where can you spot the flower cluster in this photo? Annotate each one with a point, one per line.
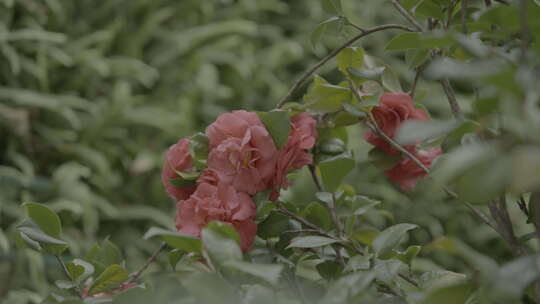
(242, 161)
(392, 111)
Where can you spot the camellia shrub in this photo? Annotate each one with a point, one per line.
(242, 237)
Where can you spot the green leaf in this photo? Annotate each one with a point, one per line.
(332, 146)
(311, 241)
(390, 237)
(267, 272)
(198, 149)
(182, 182)
(408, 255)
(525, 169)
(278, 125)
(358, 262)
(458, 293)
(386, 270)
(109, 279)
(175, 256)
(79, 270)
(365, 236)
(273, 225)
(372, 74)
(514, 277)
(317, 214)
(454, 138)
(333, 7)
(323, 27)
(330, 270)
(416, 131)
(325, 97)
(222, 242)
(405, 41)
(333, 170)
(175, 239)
(33, 236)
(429, 8)
(350, 57)
(46, 219)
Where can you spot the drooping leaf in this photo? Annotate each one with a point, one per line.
(278, 125)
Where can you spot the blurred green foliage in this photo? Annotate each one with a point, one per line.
(91, 94)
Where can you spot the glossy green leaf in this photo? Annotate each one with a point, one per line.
(46, 219)
(317, 214)
(79, 270)
(273, 225)
(330, 270)
(332, 7)
(221, 242)
(278, 125)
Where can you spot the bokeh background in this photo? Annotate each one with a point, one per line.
(93, 92)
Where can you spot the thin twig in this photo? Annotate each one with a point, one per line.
(301, 81)
(454, 106)
(464, 5)
(150, 260)
(407, 15)
(68, 276)
(335, 217)
(315, 178)
(419, 71)
(285, 211)
(411, 281)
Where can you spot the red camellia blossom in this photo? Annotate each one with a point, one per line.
(294, 154)
(242, 152)
(392, 111)
(218, 203)
(177, 159)
(407, 173)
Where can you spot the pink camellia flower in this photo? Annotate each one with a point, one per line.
(242, 152)
(177, 158)
(392, 111)
(407, 173)
(218, 203)
(294, 154)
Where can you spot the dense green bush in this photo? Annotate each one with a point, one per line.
(93, 94)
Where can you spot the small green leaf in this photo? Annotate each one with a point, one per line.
(386, 270)
(175, 256)
(109, 279)
(46, 219)
(382, 160)
(350, 57)
(332, 146)
(408, 255)
(325, 97)
(390, 237)
(267, 272)
(311, 241)
(365, 236)
(278, 125)
(182, 182)
(333, 170)
(175, 239)
(198, 149)
(79, 270)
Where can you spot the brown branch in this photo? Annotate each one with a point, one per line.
(150, 260)
(407, 15)
(419, 71)
(315, 228)
(301, 81)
